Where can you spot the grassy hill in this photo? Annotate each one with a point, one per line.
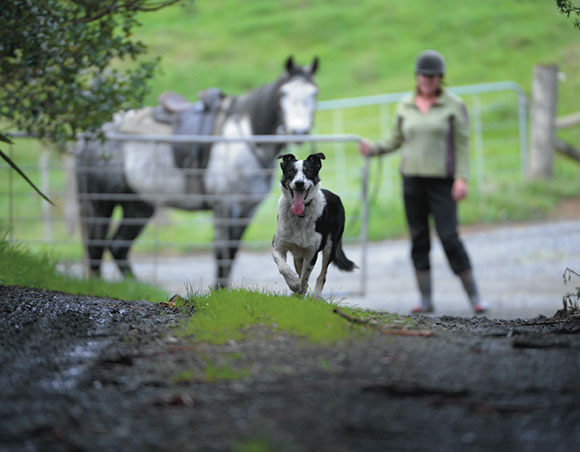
(369, 47)
(366, 47)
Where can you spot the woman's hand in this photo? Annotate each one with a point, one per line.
(365, 147)
(459, 189)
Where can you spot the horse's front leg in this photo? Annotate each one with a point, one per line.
(221, 247)
(230, 222)
(136, 214)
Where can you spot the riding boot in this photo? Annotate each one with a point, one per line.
(468, 281)
(424, 284)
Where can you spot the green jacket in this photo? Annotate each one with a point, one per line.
(435, 144)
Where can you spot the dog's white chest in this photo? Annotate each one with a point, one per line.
(298, 234)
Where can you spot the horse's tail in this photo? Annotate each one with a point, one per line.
(341, 261)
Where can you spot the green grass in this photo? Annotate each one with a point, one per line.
(20, 267)
(219, 317)
(212, 373)
(364, 49)
(235, 314)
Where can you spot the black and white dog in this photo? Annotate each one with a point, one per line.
(310, 220)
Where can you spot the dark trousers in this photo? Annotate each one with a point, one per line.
(425, 196)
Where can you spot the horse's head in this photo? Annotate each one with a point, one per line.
(297, 94)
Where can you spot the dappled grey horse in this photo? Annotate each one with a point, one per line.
(229, 178)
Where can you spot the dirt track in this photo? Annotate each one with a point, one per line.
(86, 374)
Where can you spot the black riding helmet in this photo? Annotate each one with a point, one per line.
(430, 62)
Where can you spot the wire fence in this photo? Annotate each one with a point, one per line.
(499, 149)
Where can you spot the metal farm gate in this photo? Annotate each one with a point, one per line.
(175, 250)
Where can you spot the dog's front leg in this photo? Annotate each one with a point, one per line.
(307, 267)
(298, 262)
(289, 276)
(322, 277)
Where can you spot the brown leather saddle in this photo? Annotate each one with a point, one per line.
(191, 118)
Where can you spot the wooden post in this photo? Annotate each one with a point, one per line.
(543, 133)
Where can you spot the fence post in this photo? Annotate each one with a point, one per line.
(543, 133)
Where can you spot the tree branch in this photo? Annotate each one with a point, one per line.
(395, 332)
(134, 5)
(567, 149)
(568, 121)
(24, 176)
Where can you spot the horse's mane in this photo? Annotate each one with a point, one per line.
(262, 108)
(261, 104)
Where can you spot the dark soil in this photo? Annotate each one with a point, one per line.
(87, 374)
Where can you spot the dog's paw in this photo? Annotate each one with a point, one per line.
(303, 289)
(294, 285)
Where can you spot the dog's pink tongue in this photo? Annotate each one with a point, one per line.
(298, 203)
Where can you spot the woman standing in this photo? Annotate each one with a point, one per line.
(432, 128)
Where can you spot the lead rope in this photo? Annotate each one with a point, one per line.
(372, 195)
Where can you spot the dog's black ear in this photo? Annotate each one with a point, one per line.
(314, 65)
(289, 65)
(318, 155)
(287, 158)
(315, 160)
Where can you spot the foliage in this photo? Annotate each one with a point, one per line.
(59, 63)
(567, 7)
(21, 268)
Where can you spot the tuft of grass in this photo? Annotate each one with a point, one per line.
(223, 367)
(20, 267)
(258, 444)
(227, 315)
(214, 372)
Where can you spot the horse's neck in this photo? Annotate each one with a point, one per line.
(261, 108)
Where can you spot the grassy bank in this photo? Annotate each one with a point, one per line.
(366, 48)
(239, 314)
(219, 316)
(20, 267)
